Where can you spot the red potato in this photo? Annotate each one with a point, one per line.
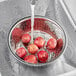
(51, 44)
(42, 56)
(31, 59)
(17, 34)
(21, 52)
(26, 38)
(32, 48)
(58, 48)
(39, 41)
(59, 43)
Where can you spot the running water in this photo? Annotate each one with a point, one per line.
(32, 21)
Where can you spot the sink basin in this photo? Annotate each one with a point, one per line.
(57, 10)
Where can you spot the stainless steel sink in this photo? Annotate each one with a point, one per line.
(13, 10)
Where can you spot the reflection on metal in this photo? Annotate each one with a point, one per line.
(68, 14)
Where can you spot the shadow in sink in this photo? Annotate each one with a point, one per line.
(37, 71)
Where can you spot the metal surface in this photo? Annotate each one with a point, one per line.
(13, 10)
(64, 18)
